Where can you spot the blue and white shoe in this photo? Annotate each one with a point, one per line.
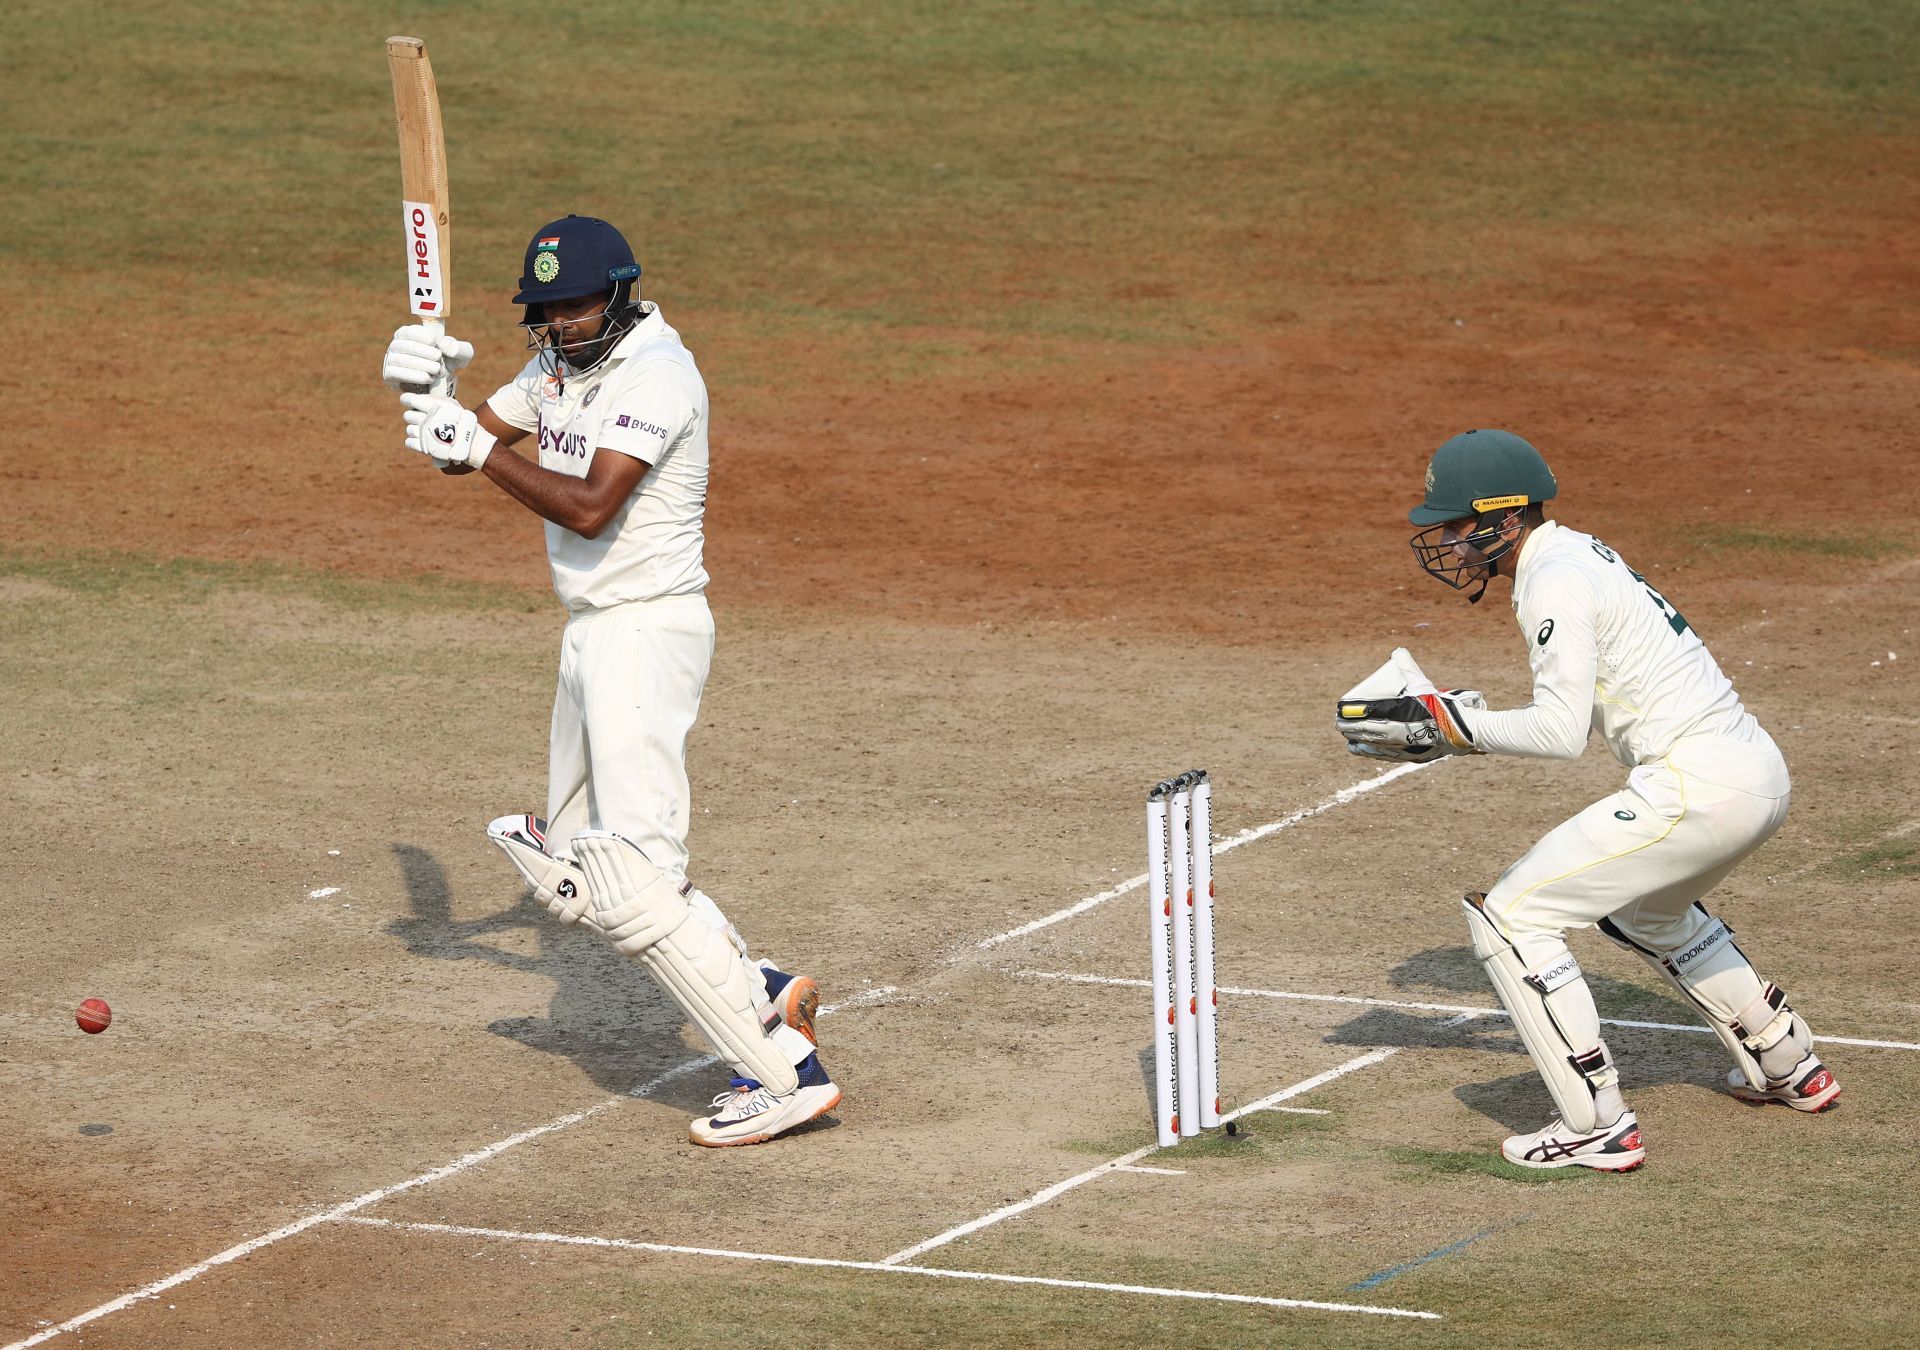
(749, 1114)
(795, 997)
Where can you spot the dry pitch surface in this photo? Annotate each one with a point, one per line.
(357, 1090)
(334, 1011)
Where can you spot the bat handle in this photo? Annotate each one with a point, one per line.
(437, 329)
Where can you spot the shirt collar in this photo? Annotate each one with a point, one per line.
(1539, 539)
(651, 325)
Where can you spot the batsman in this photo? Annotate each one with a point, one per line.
(1706, 786)
(614, 412)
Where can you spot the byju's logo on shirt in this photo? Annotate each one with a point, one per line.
(572, 443)
(625, 421)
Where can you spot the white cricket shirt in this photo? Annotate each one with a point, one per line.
(646, 400)
(1609, 654)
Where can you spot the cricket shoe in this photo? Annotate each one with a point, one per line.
(748, 1113)
(1810, 1087)
(795, 997)
(1613, 1148)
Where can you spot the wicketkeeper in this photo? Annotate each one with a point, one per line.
(1706, 786)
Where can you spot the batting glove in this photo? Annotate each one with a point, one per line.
(451, 434)
(416, 359)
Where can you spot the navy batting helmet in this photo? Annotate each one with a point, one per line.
(572, 257)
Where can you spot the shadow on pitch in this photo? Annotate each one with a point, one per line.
(605, 1014)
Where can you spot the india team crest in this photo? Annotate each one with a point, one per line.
(546, 267)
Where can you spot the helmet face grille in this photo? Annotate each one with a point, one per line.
(623, 311)
(1440, 557)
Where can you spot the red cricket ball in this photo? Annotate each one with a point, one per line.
(93, 1016)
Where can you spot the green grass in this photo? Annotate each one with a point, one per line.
(1092, 173)
(1888, 859)
(1869, 547)
(105, 574)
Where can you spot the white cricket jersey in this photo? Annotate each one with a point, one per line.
(1609, 654)
(646, 400)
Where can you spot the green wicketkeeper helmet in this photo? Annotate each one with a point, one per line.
(1481, 471)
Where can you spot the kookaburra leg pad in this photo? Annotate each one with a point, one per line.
(1541, 985)
(1766, 1038)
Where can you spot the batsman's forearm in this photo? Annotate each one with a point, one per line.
(566, 501)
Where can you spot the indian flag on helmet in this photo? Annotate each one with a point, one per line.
(548, 244)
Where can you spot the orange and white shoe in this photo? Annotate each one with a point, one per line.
(1811, 1087)
(795, 997)
(1612, 1148)
(749, 1114)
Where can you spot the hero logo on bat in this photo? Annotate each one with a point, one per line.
(424, 273)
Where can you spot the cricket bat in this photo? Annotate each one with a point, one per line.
(423, 192)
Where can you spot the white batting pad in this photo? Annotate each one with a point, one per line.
(557, 883)
(647, 918)
(1766, 1038)
(1553, 1012)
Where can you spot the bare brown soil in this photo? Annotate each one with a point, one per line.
(1765, 390)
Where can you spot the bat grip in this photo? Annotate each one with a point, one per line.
(437, 329)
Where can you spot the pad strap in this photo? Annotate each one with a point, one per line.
(1759, 1016)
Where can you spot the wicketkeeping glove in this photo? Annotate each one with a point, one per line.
(1412, 727)
(440, 427)
(416, 359)
(1397, 714)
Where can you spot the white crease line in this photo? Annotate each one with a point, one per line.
(300, 1226)
(341, 1211)
(936, 1272)
(1440, 1007)
(1318, 1080)
(1340, 798)
(1151, 1171)
(1125, 1160)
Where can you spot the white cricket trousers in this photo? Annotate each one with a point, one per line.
(1645, 854)
(630, 682)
